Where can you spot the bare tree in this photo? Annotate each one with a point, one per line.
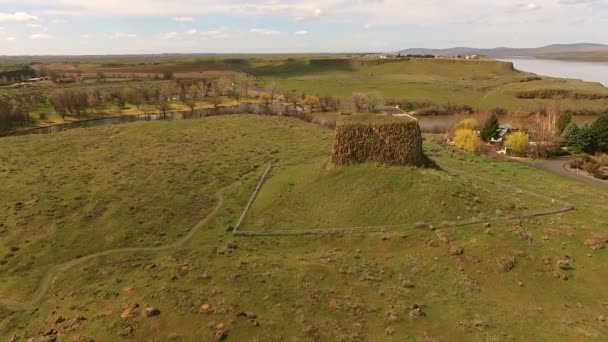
(373, 99)
(191, 97)
(359, 101)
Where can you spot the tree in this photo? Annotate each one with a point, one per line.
(570, 134)
(163, 101)
(311, 102)
(272, 90)
(215, 101)
(128, 94)
(359, 101)
(490, 128)
(265, 98)
(585, 141)
(192, 97)
(599, 131)
(518, 142)
(329, 103)
(168, 75)
(565, 118)
(373, 99)
(293, 98)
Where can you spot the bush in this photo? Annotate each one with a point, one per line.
(600, 175)
(518, 142)
(490, 128)
(469, 123)
(467, 140)
(498, 111)
(599, 132)
(576, 163)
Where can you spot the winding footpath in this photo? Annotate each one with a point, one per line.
(53, 272)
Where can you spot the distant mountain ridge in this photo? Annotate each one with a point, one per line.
(581, 51)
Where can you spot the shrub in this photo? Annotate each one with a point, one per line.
(469, 123)
(600, 175)
(490, 128)
(591, 166)
(576, 163)
(599, 131)
(518, 142)
(498, 111)
(467, 140)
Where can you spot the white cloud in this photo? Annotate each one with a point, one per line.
(58, 21)
(85, 36)
(10, 39)
(17, 16)
(301, 33)
(169, 35)
(218, 33)
(120, 35)
(368, 26)
(40, 36)
(183, 19)
(265, 31)
(33, 25)
(531, 6)
(191, 32)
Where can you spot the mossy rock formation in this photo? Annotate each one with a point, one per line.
(378, 138)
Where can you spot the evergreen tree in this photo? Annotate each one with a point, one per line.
(563, 121)
(490, 128)
(599, 131)
(570, 134)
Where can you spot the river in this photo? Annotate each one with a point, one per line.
(586, 71)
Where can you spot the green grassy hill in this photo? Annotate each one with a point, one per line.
(71, 194)
(480, 84)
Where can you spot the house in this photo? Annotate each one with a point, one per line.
(472, 57)
(38, 79)
(503, 131)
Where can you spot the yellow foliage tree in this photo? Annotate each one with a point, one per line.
(468, 140)
(518, 142)
(311, 102)
(469, 123)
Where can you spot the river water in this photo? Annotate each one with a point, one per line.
(586, 71)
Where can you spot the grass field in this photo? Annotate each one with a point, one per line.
(78, 192)
(481, 85)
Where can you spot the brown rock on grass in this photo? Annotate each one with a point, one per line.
(506, 264)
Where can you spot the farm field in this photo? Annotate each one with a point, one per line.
(175, 188)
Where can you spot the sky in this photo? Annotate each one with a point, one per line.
(79, 27)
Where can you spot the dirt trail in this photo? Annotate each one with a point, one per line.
(56, 270)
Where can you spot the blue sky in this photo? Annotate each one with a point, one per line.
(270, 26)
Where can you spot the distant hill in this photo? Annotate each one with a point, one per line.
(583, 51)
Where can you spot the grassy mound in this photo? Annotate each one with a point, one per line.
(379, 138)
(318, 196)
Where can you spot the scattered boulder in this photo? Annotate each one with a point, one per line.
(565, 263)
(455, 250)
(312, 332)
(83, 339)
(596, 243)
(151, 312)
(247, 314)
(506, 264)
(416, 311)
(444, 235)
(126, 331)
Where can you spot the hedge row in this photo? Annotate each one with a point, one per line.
(378, 138)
